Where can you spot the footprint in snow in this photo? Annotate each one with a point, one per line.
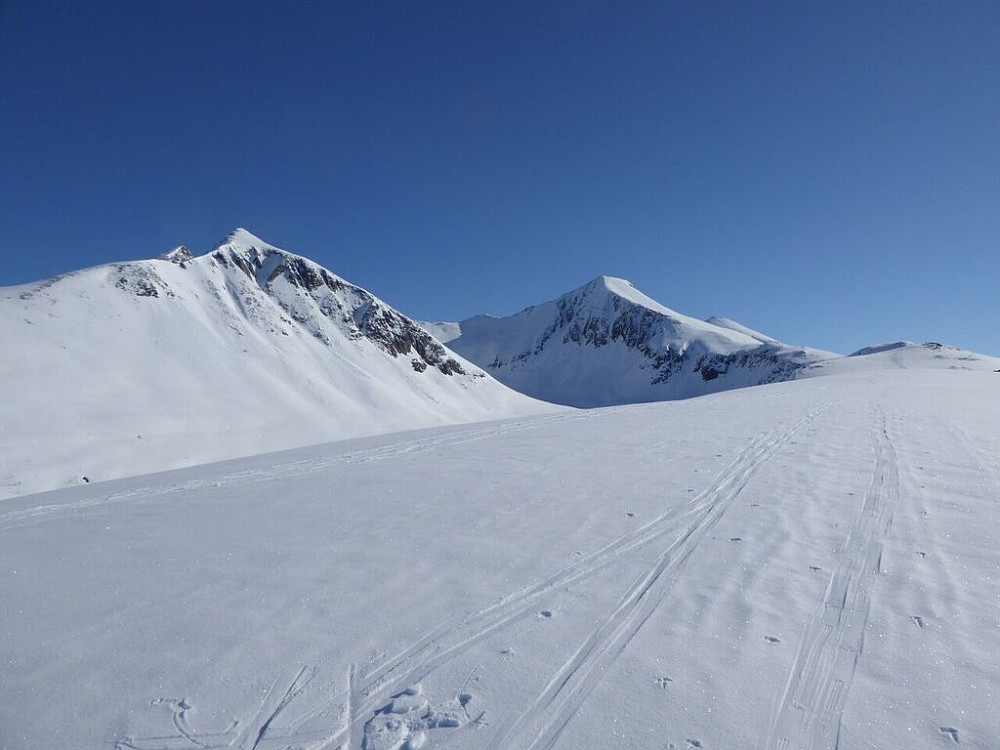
(772, 639)
(545, 613)
(815, 568)
(917, 620)
(951, 732)
(736, 539)
(408, 719)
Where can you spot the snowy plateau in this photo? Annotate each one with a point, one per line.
(808, 563)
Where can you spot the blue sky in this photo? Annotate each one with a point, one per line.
(828, 173)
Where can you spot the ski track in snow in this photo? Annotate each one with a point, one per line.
(807, 715)
(367, 695)
(566, 690)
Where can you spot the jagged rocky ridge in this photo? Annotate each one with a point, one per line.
(607, 343)
(304, 290)
(354, 310)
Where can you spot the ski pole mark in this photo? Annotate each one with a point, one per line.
(272, 705)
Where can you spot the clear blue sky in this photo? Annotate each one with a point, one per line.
(827, 172)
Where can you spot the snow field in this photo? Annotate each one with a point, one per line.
(804, 565)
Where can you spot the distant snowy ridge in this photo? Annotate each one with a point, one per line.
(732, 325)
(608, 343)
(443, 332)
(907, 356)
(879, 348)
(148, 365)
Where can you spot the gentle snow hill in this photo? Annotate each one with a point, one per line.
(904, 355)
(809, 564)
(136, 367)
(608, 343)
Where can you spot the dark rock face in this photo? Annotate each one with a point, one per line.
(356, 311)
(764, 359)
(141, 281)
(399, 336)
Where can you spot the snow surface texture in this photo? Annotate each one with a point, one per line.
(810, 564)
(136, 367)
(608, 343)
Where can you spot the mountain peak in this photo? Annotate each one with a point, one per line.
(179, 254)
(613, 286)
(610, 283)
(241, 239)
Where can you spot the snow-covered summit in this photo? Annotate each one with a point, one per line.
(606, 343)
(179, 254)
(241, 239)
(310, 293)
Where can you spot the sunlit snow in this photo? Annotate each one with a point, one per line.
(810, 564)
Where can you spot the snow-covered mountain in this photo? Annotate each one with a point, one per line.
(608, 343)
(148, 365)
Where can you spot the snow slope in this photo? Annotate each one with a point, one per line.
(136, 367)
(608, 343)
(905, 355)
(443, 332)
(732, 325)
(808, 564)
